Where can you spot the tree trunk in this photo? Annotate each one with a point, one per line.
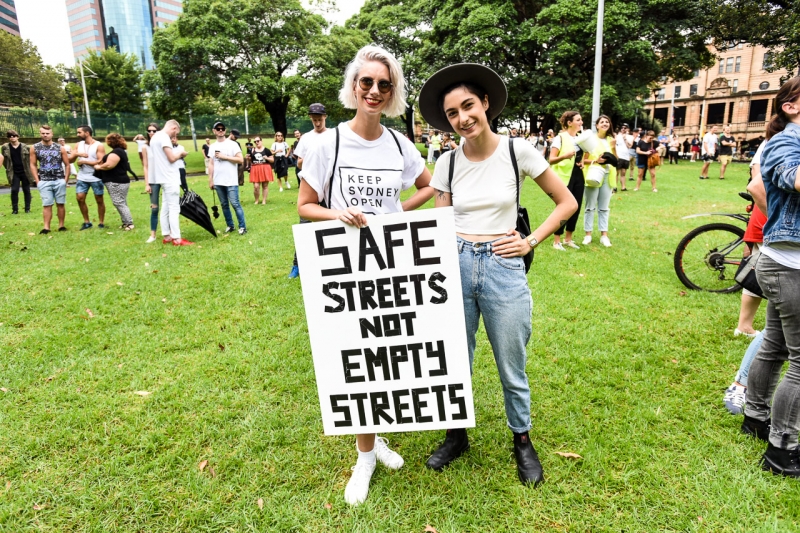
(408, 118)
(277, 112)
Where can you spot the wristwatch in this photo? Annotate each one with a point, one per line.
(532, 241)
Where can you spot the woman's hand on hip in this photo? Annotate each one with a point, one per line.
(513, 245)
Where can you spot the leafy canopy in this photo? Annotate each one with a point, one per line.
(24, 79)
(113, 82)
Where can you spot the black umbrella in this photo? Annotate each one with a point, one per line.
(194, 208)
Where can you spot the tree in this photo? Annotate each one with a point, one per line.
(249, 48)
(24, 79)
(774, 24)
(115, 86)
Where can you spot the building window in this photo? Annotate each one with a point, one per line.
(90, 22)
(767, 61)
(740, 46)
(81, 36)
(729, 65)
(90, 46)
(172, 7)
(82, 14)
(696, 74)
(764, 85)
(692, 89)
(735, 85)
(738, 67)
(721, 66)
(166, 16)
(677, 91)
(662, 93)
(73, 7)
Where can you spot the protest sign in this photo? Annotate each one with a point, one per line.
(386, 323)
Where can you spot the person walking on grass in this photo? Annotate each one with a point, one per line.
(163, 171)
(646, 148)
(373, 86)
(16, 158)
(598, 196)
(87, 154)
(709, 151)
(726, 145)
(566, 160)
(623, 141)
(226, 156)
(49, 176)
(317, 114)
(260, 162)
(773, 413)
(280, 151)
(113, 173)
(481, 182)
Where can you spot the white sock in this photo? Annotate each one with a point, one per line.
(366, 457)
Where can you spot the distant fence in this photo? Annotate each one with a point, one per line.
(64, 123)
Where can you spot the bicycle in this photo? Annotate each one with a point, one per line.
(707, 258)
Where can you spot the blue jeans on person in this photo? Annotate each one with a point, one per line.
(747, 360)
(155, 189)
(229, 194)
(765, 397)
(497, 288)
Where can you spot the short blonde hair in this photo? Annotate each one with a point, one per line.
(397, 103)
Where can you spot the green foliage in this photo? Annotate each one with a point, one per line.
(115, 86)
(24, 79)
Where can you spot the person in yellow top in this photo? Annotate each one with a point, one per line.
(563, 161)
(436, 145)
(601, 180)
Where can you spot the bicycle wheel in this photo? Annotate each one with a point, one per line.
(708, 256)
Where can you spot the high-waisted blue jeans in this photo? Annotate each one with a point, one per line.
(497, 289)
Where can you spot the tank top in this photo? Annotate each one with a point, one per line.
(86, 172)
(50, 162)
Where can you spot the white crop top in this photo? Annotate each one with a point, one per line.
(484, 193)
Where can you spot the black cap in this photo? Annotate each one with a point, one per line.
(217, 124)
(316, 109)
(625, 125)
(236, 134)
(430, 107)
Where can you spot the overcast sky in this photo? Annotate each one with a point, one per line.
(45, 23)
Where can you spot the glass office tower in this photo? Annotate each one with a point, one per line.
(128, 23)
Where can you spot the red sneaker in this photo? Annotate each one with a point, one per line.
(181, 242)
(167, 240)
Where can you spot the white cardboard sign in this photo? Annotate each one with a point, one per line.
(386, 323)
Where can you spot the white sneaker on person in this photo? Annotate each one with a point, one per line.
(390, 458)
(605, 241)
(734, 399)
(281, 189)
(559, 246)
(587, 240)
(737, 332)
(572, 244)
(288, 185)
(153, 239)
(358, 486)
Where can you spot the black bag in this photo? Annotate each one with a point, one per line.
(523, 225)
(746, 274)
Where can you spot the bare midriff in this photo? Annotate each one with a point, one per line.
(479, 238)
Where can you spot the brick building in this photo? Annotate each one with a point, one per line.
(737, 91)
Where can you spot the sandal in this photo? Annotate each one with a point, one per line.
(128, 227)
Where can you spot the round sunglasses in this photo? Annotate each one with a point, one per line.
(366, 83)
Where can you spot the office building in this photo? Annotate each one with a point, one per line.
(126, 25)
(737, 90)
(8, 17)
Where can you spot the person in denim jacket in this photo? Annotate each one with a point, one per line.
(778, 273)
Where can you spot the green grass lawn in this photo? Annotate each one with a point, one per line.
(627, 370)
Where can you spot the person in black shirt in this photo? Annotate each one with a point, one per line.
(15, 156)
(205, 152)
(112, 170)
(726, 144)
(646, 147)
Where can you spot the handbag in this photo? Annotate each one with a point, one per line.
(523, 225)
(746, 274)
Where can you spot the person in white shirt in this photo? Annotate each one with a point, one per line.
(280, 151)
(624, 142)
(164, 174)
(373, 86)
(710, 141)
(223, 177)
(176, 146)
(89, 153)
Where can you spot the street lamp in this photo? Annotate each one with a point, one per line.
(83, 84)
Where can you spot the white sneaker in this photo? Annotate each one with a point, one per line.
(572, 244)
(358, 486)
(390, 458)
(604, 240)
(737, 332)
(281, 189)
(587, 240)
(153, 239)
(288, 185)
(559, 246)
(735, 397)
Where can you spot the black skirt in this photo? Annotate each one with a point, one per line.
(281, 166)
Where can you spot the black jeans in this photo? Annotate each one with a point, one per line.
(184, 185)
(576, 187)
(16, 182)
(673, 156)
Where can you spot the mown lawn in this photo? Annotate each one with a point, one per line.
(627, 370)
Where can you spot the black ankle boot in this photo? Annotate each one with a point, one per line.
(454, 445)
(756, 428)
(781, 461)
(529, 469)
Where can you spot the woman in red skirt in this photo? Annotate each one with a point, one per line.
(260, 162)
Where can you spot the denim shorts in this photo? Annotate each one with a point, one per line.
(82, 187)
(53, 192)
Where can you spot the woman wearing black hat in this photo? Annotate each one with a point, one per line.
(482, 188)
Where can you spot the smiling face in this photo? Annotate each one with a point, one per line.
(602, 126)
(372, 100)
(575, 124)
(279, 137)
(466, 113)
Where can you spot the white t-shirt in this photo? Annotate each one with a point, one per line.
(368, 174)
(757, 157)
(160, 170)
(142, 143)
(86, 172)
(623, 152)
(710, 140)
(484, 193)
(306, 143)
(180, 150)
(278, 146)
(225, 172)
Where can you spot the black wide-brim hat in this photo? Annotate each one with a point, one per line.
(431, 94)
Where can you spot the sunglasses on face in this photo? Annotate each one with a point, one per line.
(151, 131)
(219, 129)
(258, 140)
(13, 136)
(384, 86)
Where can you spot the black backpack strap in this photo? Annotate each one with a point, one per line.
(451, 171)
(514, 163)
(395, 140)
(333, 169)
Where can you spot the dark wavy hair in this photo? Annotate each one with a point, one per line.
(115, 140)
(147, 137)
(610, 124)
(789, 92)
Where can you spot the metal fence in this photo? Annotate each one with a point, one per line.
(64, 123)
